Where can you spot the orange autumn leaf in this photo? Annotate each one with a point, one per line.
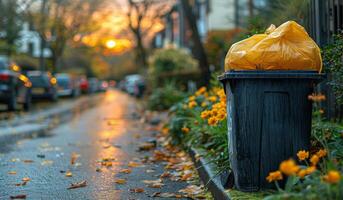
(120, 181)
(133, 164)
(125, 171)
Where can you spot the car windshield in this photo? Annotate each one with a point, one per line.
(39, 80)
(63, 81)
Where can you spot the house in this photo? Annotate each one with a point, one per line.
(29, 42)
(210, 15)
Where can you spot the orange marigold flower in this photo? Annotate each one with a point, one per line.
(212, 121)
(185, 130)
(332, 176)
(192, 98)
(274, 176)
(221, 115)
(303, 155)
(200, 91)
(314, 160)
(205, 114)
(212, 98)
(321, 153)
(302, 173)
(289, 167)
(192, 104)
(310, 169)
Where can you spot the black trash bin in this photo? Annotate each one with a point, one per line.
(269, 120)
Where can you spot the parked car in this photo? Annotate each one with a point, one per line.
(93, 85)
(135, 85)
(84, 85)
(68, 85)
(15, 87)
(44, 85)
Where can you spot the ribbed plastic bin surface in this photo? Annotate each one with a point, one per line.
(269, 120)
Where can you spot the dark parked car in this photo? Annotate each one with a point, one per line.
(68, 85)
(44, 85)
(15, 88)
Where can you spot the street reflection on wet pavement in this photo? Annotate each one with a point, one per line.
(78, 151)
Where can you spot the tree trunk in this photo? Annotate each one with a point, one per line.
(42, 38)
(141, 55)
(198, 48)
(251, 8)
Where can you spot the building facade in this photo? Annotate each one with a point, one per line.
(29, 42)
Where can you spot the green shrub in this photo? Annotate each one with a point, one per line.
(171, 65)
(165, 97)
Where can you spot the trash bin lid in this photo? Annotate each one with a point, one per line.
(266, 74)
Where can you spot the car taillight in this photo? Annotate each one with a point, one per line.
(4, 77)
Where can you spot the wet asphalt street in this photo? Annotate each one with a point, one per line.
(111, 130)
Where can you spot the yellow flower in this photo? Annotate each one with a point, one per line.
(314, 160)
(192, 104)
(289, 167)
(303, 155)
(274, 176)
(221, 115)
(310, 170)
(165, 131)
(321, 153)
(332, 176)
(200, 91)
(185, 130)
(192, 98)
(212, 98)
(212, 121)
(205, 114)
(302, 173)
(203, 104)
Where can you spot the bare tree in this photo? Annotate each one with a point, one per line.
(59, 21)
(198, 48)
(139, 12)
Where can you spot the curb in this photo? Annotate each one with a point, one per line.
(32, 128)
(23, 131)
(211, 180)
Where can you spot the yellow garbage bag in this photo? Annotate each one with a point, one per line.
(287, 47)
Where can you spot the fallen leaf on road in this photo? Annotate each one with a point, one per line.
(106, 163)
(154, 183)
(20, 196)
(12, 172)
(26, 179)
(166, 195)
(106, 146)
(77, 185)
(192, 190)
(15, 160)
(40, 155)
(126, 171)
(28, 161)
(165, 175)
(137, 190)
(98, 170)
(47, 162)
(133, 164)
(146, 146)
(69, 174)
(73, 158)
(120, 181)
